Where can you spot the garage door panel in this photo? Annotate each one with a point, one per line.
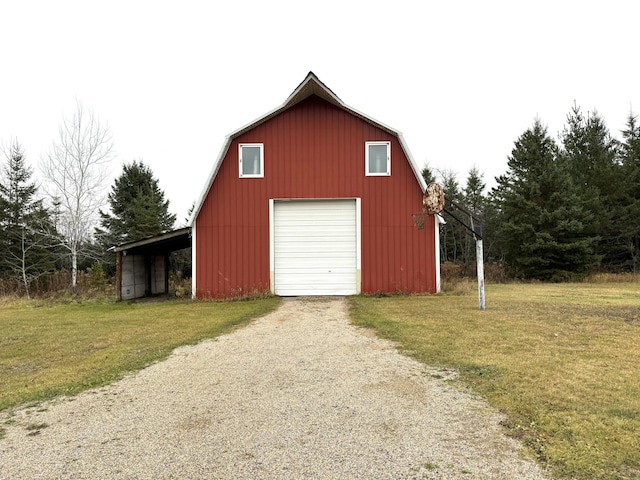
(309, 230)
(310, 287)
(315, 247)
(315, 266)
(315, 225)
(327, 249)
(316, 231)
(315, 242)
(324, 258)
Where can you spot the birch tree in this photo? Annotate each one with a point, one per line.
(76, 172)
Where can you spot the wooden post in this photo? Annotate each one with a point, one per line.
(119, 275)
(480, 264)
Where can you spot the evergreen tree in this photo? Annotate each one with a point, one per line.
(138, 207)
(628, 213)
(630, 146)
(543, 219)
(428, 175)
(452, 233)
(591, 156)
(187, 219)
(474, 198)
(23, 221)
(589, 150)
(473, 201)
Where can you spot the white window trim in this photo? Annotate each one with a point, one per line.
(366, 163)
(261, 174)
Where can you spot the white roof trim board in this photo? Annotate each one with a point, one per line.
(311, 85)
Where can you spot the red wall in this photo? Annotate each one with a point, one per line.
(313, 150)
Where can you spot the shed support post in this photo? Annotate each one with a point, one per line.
(166, 273)
(480, 264)
(119, 275)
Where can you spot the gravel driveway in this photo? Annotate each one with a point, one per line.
(299, 393)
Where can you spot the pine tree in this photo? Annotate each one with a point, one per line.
(452, 233)
(474, 198)
(589, 150)
(428, 175)
(543, 222)
(138, 207)
(630, 146)
(473, 201)
(23, 220)
(628, 213)
(591, 154)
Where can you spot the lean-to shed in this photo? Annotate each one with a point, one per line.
(142, 266)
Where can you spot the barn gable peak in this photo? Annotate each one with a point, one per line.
(310, 86)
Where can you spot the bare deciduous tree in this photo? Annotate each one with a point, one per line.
(24, 262)
(76, 172)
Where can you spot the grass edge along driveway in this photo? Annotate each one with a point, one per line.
(561, 361)
(47, 351)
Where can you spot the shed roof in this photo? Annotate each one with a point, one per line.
(311, 85)
(168, 242)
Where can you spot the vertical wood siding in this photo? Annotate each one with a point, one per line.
(313, 150)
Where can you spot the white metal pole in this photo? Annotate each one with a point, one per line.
(480, 263)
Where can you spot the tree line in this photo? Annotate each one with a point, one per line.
(62, 224)
(565, 207)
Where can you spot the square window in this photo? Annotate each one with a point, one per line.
(378, 158)
(251, 159)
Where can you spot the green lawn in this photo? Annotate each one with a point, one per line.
(562, 361)
(47, 351)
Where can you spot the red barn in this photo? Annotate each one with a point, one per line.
(313, 198)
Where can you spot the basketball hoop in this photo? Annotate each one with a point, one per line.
(419, 219)
(432, 204)
(433, 199)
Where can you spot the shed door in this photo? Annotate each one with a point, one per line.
(315, 247)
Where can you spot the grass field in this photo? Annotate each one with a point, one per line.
(562, 361)
(47, 351)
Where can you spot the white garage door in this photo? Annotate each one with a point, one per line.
(315, 247)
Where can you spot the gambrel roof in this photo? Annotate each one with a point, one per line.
(310, 86)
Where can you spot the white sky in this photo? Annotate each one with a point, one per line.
(460, 79)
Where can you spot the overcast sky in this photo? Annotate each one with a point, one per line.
(460, 79)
